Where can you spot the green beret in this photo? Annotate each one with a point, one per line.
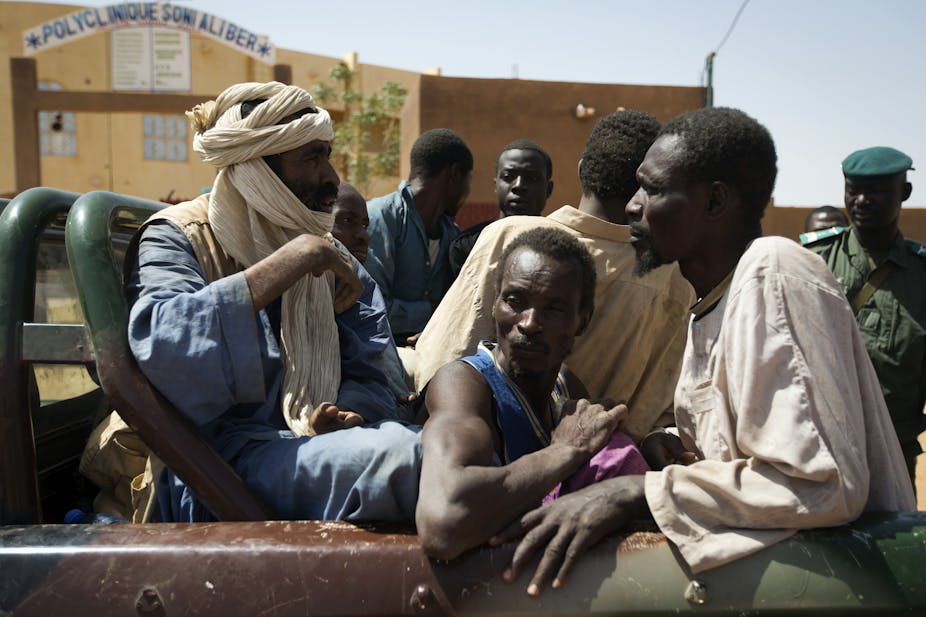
(864, 165)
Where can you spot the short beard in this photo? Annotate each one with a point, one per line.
(647, 261)
(313, 201)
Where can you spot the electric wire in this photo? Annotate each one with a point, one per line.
(732, 25)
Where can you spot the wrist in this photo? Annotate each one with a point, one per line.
(567, 456)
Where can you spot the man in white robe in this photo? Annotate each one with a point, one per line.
(777, 396)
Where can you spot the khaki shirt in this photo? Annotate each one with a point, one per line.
(778, 397)
(892, 322)
(632, 349)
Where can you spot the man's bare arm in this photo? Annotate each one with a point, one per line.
(464, 500)
(305, 254)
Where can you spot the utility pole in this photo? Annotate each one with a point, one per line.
(709, 89)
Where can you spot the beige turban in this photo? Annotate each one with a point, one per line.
(253, 214)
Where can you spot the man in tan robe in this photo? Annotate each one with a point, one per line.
(632, 349)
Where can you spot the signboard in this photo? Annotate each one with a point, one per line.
(170, 52)
(131, 58)
(88, 21)
(152, 59)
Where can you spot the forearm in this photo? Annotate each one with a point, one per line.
(462, 507)
(270, 277)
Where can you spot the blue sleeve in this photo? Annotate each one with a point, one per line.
(198, 344)
(405, 316)
(365, 338)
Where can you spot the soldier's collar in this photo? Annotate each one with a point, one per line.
(897, 252)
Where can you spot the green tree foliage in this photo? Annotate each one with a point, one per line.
(365, 118)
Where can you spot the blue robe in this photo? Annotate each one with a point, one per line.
(399, 261)
(216, 360)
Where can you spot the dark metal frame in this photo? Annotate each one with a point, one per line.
(21, 223)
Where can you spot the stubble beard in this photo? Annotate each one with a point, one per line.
(647, 261)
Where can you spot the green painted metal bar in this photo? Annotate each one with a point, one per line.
(21, 225)
(98, 275)
(55, 343)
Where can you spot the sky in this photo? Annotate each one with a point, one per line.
(826, 77)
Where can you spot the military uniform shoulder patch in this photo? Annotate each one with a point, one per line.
(916, 248)
(814, 236)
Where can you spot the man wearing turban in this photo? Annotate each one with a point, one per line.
(263, 330)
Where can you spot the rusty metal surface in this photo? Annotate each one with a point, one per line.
(326, 568)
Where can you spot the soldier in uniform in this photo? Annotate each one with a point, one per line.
(884, 278)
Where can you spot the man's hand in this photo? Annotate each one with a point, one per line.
(327, 418)
(566, 527)
(661, 448)
(321, 255)
(412, 340)
(587, 425)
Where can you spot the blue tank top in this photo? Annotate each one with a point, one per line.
(520, 426)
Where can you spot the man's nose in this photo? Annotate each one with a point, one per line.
(634, 207)
(518, 182)
(329, 175)
(364, 235)
(530, 321)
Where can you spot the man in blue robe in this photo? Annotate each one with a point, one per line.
(257, 326)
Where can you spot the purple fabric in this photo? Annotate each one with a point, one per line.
(619, 457)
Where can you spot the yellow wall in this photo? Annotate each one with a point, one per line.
(789, 222)
(490, 113)
(110, 151)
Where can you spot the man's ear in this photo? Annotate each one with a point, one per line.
(583, 322)
(549, 188)
(720, 194)
(907, 189)
(579, 168)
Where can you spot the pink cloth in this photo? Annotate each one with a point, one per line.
(619, 457)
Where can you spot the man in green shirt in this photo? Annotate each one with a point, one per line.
(884, 277)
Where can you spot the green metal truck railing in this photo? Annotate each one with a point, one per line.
(22, 222)
(99, 278)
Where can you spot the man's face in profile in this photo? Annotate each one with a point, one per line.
(665, 214)
(307, 172)
(460, 185)
(537, 313)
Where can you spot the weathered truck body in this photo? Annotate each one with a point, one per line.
(246, 565)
